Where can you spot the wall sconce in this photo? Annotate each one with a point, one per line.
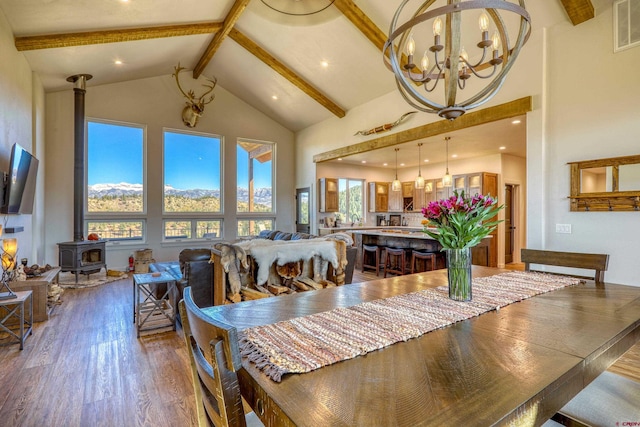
(9, 251)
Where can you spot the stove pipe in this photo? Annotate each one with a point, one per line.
(79, 91)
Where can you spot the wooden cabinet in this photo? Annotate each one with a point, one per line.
(396, 201)
(407, 189)
(484, 183)
(429, 191)
(378, 196)
(328, 192)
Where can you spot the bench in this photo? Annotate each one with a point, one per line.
(597, 262)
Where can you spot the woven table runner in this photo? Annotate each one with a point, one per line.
(307, 343)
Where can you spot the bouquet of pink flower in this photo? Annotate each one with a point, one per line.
(460, 221)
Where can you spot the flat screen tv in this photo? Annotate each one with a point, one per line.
(20, 183)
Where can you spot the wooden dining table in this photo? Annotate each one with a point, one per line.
(515, 366)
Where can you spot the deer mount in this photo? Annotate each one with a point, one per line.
(195, 105)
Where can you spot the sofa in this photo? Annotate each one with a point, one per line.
(195, 268)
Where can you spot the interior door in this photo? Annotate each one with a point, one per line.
(509, 227)
(303, 210)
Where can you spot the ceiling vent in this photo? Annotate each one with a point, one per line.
(626, 24)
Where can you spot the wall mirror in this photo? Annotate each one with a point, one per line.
(606, 184)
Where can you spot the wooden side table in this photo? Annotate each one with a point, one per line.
(11, 309)
(150, 312)
(39, 285)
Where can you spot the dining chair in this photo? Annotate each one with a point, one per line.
(215, 358)
(597, 262)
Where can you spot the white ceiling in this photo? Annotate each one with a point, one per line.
(355, 75)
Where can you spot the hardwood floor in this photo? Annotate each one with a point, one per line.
(85, 367)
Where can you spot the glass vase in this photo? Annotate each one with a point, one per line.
(459, 273)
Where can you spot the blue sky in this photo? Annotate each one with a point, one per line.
(114, 157)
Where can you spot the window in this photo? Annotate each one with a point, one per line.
(253, 227)
(255, 176)
(187, 229)
(192, 175)
(115, 180)
(350, 197)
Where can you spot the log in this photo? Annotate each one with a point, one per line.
(300, 286)
(250, 294)
(234, 297)
(311, 283)
(277, 290)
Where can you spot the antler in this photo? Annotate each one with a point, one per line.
(177, 70)
(213, 82)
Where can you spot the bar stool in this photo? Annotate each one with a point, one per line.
(394, 261)
(376, 252)
(426, 256)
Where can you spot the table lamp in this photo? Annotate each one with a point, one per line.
(9, 251)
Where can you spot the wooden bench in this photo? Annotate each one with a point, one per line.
(597, 262)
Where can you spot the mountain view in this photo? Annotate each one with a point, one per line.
(125, 197)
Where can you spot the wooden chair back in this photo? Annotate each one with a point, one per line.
(597, 262)
(215, 358)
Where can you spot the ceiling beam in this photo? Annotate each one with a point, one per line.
(285, 72)
(579, 11)
(233, 15)
(362, 22)
(51, 41)
(486, 115)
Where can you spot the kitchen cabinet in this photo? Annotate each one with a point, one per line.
(328, 192)
(396, 201)
(485, 183)
(378, 196)
(407, 189)
(429, 191)
(418, 198)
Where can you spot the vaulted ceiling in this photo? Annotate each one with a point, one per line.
(255, 53)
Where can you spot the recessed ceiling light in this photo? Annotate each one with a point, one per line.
(324, 64)
(364, 161)
(274, 97)
(401, 164)
(503, 148)
(426, 160)
(454, 155)
(385, 164)
(515, 122)
(339, 159)
(117, 62)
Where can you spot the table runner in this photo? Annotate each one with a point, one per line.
(310, 342)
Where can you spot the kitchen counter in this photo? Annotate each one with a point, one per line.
(323, 231)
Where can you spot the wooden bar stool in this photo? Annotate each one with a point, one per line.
(374, 251)
(395, 261)
(426, 256)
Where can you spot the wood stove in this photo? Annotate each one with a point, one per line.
(86, 257)
(80, 256)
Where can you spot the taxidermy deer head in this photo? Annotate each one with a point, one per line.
(195, 105)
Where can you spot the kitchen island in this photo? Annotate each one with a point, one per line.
(408, 238)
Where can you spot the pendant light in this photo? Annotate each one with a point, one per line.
(447, 180)
(419, 179)
(396, 185)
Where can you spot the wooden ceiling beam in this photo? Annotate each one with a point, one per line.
(362, 22)
(579, 11)
(285, 72)
(486, 115)
(51, 41)
(233, 15)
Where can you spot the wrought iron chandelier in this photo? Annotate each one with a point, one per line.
(447, 52)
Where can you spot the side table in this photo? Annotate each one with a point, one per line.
(150, 312)
(14, 309)
(40, 287)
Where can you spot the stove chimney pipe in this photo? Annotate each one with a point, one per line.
(79, 91)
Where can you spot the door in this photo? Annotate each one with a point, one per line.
(509, 226)
(303, 209)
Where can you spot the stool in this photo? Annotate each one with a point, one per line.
(375, 251)
(426, 256)
(394, 261)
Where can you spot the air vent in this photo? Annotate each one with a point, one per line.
(626, 24)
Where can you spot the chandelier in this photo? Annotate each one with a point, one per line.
(491, 62)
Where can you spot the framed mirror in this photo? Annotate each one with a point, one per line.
(606, 184)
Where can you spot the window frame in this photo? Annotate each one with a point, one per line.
(116, 216)
(362, 196)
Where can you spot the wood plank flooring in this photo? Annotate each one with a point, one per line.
(85, 367)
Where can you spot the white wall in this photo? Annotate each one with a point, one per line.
(586, 106)
(157, 103)
(21, 121)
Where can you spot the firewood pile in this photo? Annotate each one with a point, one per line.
(54, 295)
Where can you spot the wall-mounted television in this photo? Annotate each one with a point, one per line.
(20, 182)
